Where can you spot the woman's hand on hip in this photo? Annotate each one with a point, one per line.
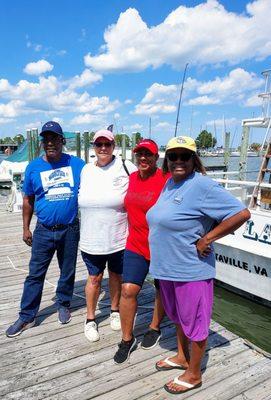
(203, 247)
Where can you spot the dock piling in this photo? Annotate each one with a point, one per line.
(78, 144)
(86, 146)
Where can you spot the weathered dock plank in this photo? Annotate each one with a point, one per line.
(56, 362)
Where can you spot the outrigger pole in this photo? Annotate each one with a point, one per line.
(180, 99)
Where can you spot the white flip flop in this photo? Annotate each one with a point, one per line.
(179, 382)
(171, 365)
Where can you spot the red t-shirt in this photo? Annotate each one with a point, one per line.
(141, 196)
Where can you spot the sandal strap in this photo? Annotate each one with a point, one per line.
(182, 383)
(171, 363)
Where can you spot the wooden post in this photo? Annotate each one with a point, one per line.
(226, 151)
(28, 136)
(243, 159)
(243, 152)
(35, 142)
(133, 145)
(86, 146)
(78, 144)
(123, 146)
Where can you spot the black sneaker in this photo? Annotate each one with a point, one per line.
(150, 339)
(125, 348)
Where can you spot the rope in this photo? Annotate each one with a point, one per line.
(54, 286)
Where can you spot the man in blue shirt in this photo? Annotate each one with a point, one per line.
(51, 190)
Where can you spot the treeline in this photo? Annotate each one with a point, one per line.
(18, 139)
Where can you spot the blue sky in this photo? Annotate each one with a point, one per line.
(90, 63)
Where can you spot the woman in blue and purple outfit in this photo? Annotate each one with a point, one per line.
(191, 213)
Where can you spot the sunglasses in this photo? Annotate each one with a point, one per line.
(144, 153)
(54, 139)
(101, 144)
(176, 156)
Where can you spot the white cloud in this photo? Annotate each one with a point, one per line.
(30, 92)
(4, 86)
(150, 109)
(203, 101)
(38, 68)
(203, 34)
(164, 125)
(157, 100)
(128, 101)
(253, 101)
(237, 81)
(87, 78)
(31, 125)
(86, 119)
(159, 93)
(13, 109)
(61, 52)
(5, 121)
(227, 122)
(233, 88)
(136, 126)
(50, 96)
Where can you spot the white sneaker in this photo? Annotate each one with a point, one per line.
(115, 321)
(91, 331)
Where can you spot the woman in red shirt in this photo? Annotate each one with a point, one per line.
(144, 189)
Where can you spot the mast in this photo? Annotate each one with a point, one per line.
(180, 99)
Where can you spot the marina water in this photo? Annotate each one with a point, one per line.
(241, 316)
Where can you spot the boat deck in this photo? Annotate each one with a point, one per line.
(57, 362)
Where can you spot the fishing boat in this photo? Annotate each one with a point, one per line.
(243, 259)
(249, 154)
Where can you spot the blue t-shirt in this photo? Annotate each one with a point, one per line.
(55, 186)
(184, 212)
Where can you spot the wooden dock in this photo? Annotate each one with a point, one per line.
(53, 361)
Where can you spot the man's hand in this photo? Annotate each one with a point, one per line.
(27, 236)
(203, 247)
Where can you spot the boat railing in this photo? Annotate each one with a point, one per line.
(243, 190)
(243, 183)
(229, 172)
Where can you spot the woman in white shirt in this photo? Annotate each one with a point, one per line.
(103, 230)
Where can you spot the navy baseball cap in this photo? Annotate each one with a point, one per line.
(51, 126)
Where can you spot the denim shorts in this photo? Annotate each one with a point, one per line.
(96, 263)
(135, 268)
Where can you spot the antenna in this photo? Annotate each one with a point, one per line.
(180, 99)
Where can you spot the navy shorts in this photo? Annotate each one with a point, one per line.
(96, 263)
(135, 268)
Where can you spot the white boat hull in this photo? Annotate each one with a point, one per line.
(243, 259)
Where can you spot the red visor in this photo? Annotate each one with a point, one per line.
(146, 144)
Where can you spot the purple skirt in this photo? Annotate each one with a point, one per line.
(189, 304)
